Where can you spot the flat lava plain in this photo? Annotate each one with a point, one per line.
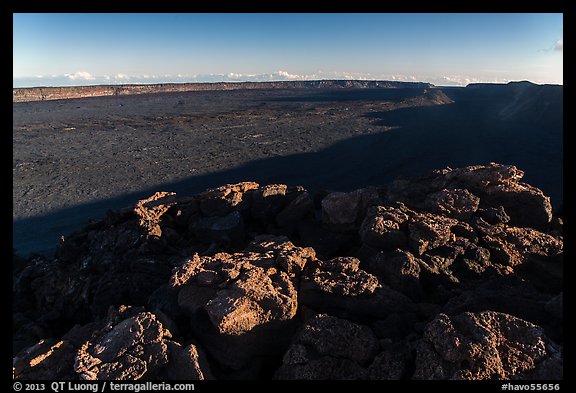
(75, 159)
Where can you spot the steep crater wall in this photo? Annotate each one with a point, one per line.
(59, 93)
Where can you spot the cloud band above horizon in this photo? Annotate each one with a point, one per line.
(85, 78)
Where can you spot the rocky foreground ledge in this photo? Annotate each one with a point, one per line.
(456, 275)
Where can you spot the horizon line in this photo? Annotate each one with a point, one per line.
(112, 84)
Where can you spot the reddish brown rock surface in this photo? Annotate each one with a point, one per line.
(456, 275)
(127, 345)
(486, 345)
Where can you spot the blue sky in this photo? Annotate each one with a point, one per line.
(444, 49)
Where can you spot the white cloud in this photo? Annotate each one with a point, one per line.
(401, 77)
(559, 46)
(287, 75)
(458, 79)
(85, 78)
(80, 75)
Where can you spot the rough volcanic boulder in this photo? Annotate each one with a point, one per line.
(239, 304)
(428, 231)
(495, 184)
(515, 296)
(127, 345)
(499, 185)
(340, 287)
(247, 290)
(429, 277)
(53, 358)
(456, 203)
(385, 227)
(344, 211)
(77, 293)
(151, 210)
(131, 345)
(513, 246)
(400, 270)
(228, 213)
(256, 298)
(289, 258)
(485, 345)
(475, 263)
(223, 200)
(267, 201)
(391, 227)
(185, 363)
(121, 259)
(279, 206)
(341, 276)
(45, 360)
(393, 363)
(329, 348)
(123, 351)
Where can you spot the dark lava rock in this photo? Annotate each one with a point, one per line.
(119, 260)
(392, 363)
(401, 271)
(45, 360)
(125, 351)
(513, 246)
(344, 211)
(329, 348)
(454, 275)
(428, 231)
(385, 227)
(185, 363)
(222, 200)
(485, 345)
(494, 215)
(151, 210)
(300, 207)
(128, 345)
(131, 347)
(227, 231)
(327, 244)
(267, 201)
(496, 185)
(456, 203)
(248, 289)
(341, 288)
(514, 296)
(246, 296)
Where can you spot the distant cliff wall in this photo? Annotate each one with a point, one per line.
(59, 93)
